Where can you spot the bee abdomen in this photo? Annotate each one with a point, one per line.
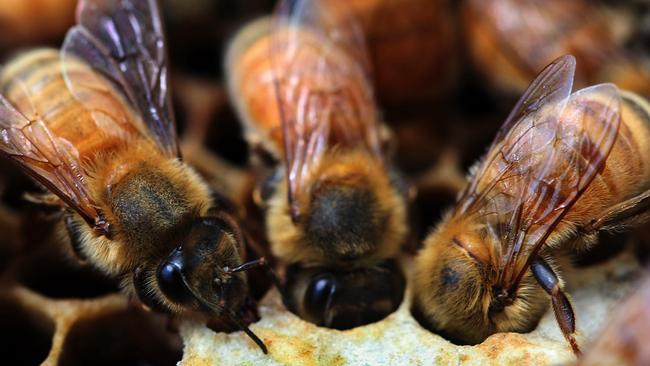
(34, 84)
(627, 168)
(638, 121)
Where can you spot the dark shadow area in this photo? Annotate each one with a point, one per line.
(225, 137)
(26, 336)
(608, 246)
(419, 316)
(52, 272)
(641, 237)
(430, 204)
(67, 282)
(130, 337)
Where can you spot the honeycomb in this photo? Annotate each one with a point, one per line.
(400, 340)
(56, 311)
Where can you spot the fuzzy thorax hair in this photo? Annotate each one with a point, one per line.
(350, 213)
(453, 288)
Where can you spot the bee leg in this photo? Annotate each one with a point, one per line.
(636, 209)
(561, 304)
(75, 237)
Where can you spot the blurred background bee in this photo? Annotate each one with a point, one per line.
(24, 22)
(412, 47)
(563, 167)
(510, 40)
(335, 207)
(94, 125)
(624, 339)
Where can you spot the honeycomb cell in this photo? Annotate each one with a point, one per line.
(6, 245)
(26, 336)
(60, 279)
(642, 244)
(608, 246)
(128, 337)
(226, 138)
(429, 206)
(419, 143)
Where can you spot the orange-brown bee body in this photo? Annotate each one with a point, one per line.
(302, 92)
(39, 73)
(348, 174)
(511, 40)
(122, 167)
(34, 21)
(248, 68)
(563, 167)
(626, 172)
(355, 218)
(94, 125)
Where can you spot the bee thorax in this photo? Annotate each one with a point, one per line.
(343, 221)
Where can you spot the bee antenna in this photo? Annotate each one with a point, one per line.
(261, 262)
(233, 317)
(246, 266)
(216, 308)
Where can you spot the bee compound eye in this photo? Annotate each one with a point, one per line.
(171, 283)
(319, 295)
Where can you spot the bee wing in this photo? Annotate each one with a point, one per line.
(536, 170)
(551, 87)
(52, 161)
(322, 85)
(124, 41)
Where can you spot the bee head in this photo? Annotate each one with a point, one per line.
(198, 273)
(205, 273)
(343, 299)
(456, 293)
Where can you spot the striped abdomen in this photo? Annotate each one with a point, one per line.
(321, 89)
(34, 84)
(627, 169)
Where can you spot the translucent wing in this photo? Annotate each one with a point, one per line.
(124, 41)
(537, 169)
(52, 161)
(323, 91)
(552, 87)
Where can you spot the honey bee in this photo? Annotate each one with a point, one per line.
(93, 123)
(563, 166)
(510, 40)
(335, 208)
